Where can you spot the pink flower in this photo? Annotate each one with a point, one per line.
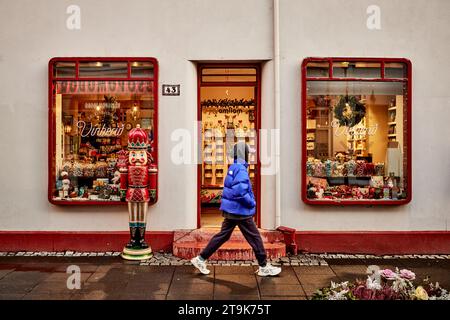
(407, 274)
(388, 274)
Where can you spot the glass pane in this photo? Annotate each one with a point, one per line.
(356, 140)
(229, 78)
(229, 75)
(64, 69)
(103, 69)
(244, 71)
(92, 123)
(142, 69)
(395, 70)
(356, 70)
(228, 117)
(318, 69)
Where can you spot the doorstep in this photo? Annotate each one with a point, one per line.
(189, 243)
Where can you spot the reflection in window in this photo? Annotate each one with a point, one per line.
(92, 120)
(356, 69)
(91, 69)
(356, 140)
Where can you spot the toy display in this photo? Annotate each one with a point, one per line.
(88, 133)
(353, 148)
(97, 175)
(351, 180)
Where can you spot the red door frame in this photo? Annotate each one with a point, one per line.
(330, 77)
(52, 119)
(257, 86)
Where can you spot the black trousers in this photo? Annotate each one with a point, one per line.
(250, 232)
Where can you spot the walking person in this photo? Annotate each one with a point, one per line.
(238, 207)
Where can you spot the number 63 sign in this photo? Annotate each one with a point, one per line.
(170, 89)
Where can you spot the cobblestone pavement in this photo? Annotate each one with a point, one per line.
(39, 275)
(167, 259)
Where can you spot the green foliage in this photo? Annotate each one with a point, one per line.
(349, 111)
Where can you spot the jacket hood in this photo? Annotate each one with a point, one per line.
(241, 161)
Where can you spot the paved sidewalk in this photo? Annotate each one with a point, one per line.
(109, 277)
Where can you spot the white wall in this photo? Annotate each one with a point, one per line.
(175, 32)
(179, 32)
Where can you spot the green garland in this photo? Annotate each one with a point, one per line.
(349, 111)
(228, 103)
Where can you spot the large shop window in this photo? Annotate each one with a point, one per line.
(356, 122)
(93, 104)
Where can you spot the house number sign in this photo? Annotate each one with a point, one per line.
(170, 89)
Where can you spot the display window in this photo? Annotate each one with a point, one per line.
(228, 111)
(93, 104)
(356, 124)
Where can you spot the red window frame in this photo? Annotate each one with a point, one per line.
(52, 119)
(382, 78)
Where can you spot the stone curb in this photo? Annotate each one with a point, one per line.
(167, 259)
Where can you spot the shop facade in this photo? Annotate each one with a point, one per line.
(347, 125)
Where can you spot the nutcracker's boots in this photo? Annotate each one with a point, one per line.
(133, 235)
(143, 244)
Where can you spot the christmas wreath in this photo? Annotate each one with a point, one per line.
(349, 111)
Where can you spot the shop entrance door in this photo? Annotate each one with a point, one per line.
(228, 113)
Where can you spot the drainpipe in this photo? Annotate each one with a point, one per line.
(276, 55)
(288, 233)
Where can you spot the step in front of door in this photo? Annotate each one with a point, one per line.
(205, 234)
(231, 250)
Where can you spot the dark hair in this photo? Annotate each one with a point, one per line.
(240, 150)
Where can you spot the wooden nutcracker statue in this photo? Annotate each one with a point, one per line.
(138, 187)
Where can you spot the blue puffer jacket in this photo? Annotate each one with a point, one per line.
(237, 196)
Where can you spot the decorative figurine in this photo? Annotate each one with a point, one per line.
(138, 187)
(116, 179)
(340, 158)
(65, 184)
(319, 193)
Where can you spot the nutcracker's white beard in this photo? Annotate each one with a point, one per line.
(137, 212)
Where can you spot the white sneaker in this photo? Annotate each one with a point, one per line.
(268, 270)
(200, 265)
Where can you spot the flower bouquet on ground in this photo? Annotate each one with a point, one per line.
(384, 285)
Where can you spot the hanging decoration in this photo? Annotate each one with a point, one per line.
(228, 103)
(349, 111)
